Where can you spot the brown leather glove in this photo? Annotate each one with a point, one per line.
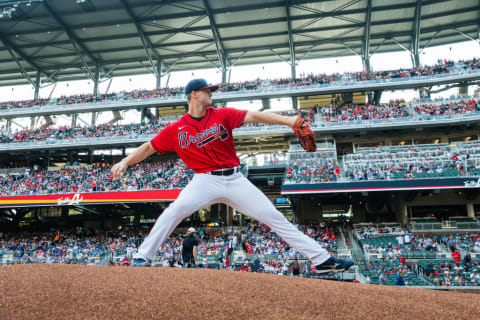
(304, 134)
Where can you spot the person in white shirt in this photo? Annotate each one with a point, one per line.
(475, 277)
(165, 263)
(476, 248)
(407, 238)
(400, 240)
(368, 280)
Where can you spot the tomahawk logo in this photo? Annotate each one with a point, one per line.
(75, 200)
(203, 138)
(222, 134)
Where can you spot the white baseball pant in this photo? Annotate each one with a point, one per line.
(239, 193)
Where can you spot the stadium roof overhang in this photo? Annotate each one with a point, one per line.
(44, 41)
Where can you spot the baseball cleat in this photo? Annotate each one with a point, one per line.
(334, 265)
(139, 262)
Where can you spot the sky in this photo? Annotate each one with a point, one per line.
(380, 61)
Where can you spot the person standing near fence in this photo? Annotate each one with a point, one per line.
(189, 249)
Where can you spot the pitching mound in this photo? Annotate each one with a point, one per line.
(91, 292)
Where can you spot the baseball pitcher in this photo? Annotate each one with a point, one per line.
(203, 139)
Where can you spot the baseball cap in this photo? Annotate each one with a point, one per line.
(197, 85)
(191, 230)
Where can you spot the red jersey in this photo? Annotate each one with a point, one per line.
(206, 144)
(456, 256)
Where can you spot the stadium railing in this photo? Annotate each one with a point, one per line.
(270, 129)
(313, 88)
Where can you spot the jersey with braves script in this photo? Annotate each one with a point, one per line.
(206, 144)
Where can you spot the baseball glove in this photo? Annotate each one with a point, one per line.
(304, 134)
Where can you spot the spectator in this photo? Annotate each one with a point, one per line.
(382, 278)
(456, 255)
(400, 281)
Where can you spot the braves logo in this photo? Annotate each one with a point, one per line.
(203, 138)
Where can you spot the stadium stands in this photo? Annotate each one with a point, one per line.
(117, 248)
(354, 112)
(413, 161)
(387, 272)
(442, 68)
(95, 178)
(316, 167)
(387, 163)
(318, 116)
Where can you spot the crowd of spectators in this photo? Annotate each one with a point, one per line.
(117, 248)
(354, 112)
(456, 273)
(85, 98)
(22, 104)
(470, 242)
(264, 251)
(411, 162)
(392, 272)
(395, 244)
(44, 133)
(53, 247)
(317, 167)
(82, 132)
(463, 106)
(96, 178)
(442, 67)
(330, 114)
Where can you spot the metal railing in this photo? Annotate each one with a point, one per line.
(262, 91)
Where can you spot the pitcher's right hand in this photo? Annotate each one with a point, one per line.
(118, 170)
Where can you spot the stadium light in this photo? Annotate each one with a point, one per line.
(8, 8)
(16, 3)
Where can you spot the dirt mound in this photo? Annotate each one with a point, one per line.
(92, 292)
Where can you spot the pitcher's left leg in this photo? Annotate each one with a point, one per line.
(242, 195)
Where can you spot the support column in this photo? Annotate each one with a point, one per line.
(463, 89)
(366, 38)
(294, 103)
(97, 78)
(94, 118)
(229, 217)
(37, 86)
(33, 120)
(224, 68)
(159, 74)
(71, 158)
(90, 156)
(74, 120)
(48, 121)
(116, 116)
(416, 35)
(470, 210)
(377, 95)
(404, 214)
(265, 104)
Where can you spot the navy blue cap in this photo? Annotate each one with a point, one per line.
(197, 85)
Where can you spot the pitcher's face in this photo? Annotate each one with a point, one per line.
(205, 97)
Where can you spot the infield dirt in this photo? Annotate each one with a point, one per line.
(95, 292)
